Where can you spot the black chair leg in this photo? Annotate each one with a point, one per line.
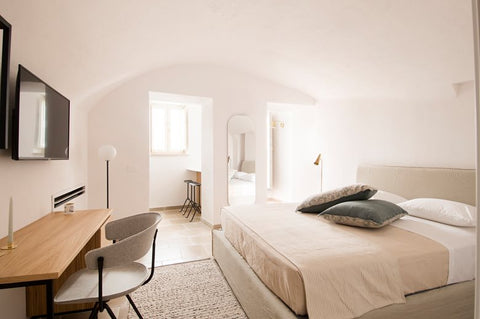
(110, 312)
(94, 312)
(134, 307)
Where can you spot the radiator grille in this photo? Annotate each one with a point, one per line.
(60, 199)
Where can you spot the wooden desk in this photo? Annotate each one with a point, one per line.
(48, 251)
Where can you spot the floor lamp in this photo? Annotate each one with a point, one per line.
(107, 153)
(317, 162)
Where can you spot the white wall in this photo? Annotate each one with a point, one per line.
(31, 184)
(438, 133)
(167, 174)
(295, 149)
(282, 156)
(195, 137)
(249, 146)
(121, 119)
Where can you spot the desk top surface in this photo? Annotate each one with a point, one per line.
(47, 246)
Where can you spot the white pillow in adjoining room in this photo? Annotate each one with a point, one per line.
(442, 211)
(231, 173)
(239, 174)
(250, 177)
(389, 197)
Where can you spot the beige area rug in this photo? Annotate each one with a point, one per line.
(189, 290)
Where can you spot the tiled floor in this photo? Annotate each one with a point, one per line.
(178, 240)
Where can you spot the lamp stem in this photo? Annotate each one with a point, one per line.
(108, 202)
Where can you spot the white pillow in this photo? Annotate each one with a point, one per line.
(250, 177)
(231, 173)
(239, 174)
(389, 197)
(442, 211)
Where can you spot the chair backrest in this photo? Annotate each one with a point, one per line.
(128, 226)
(135, 235)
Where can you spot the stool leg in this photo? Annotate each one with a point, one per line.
(183, 206)
(189, 197)
(197, 205)
(186, 199)
(197, 209)
(192, 200)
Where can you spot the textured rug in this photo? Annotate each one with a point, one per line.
(189, 290)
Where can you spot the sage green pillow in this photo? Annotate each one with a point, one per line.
(319, 202)
(373, 213)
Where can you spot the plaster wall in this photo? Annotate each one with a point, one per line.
(436, 133)
(121, 119)
(31, 183)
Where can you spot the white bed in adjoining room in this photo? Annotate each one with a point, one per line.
(241, 184)
(267, 253)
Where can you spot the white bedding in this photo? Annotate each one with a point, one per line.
(241, 191)
(460, 242)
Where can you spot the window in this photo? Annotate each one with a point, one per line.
(40, 128)
(168, 128)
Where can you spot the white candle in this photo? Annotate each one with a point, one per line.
(10, 222)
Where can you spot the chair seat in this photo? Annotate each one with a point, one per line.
(82, 286)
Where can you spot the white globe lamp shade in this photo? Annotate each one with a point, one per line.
(107, 152)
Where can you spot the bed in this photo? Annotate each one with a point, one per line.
(241, 184)
(452, 300)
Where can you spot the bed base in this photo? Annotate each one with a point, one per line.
(450, 302)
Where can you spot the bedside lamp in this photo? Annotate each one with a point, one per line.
(107, 153)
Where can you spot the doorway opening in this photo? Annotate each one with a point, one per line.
(292, 150)
(185, 156)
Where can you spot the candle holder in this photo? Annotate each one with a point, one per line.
(9, 246)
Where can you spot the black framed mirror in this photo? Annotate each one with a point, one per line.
(5, 35)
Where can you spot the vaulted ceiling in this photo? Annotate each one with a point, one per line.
(325, 48)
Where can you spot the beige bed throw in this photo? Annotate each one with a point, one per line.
(346, 271)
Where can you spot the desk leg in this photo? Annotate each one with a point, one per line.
(49, 299)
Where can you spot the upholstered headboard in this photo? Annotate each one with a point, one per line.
(412, 182)
(247, 166)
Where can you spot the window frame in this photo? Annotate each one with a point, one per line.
(168, 106)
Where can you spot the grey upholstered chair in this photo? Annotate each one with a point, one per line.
(113, 271)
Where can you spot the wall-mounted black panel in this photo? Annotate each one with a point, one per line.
(5, 35)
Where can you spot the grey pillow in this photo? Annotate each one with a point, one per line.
(319, 202)
(373, 213)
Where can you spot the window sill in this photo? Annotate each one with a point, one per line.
(170, 154)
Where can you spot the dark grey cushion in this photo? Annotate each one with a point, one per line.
(319, 202)
(374, 213)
